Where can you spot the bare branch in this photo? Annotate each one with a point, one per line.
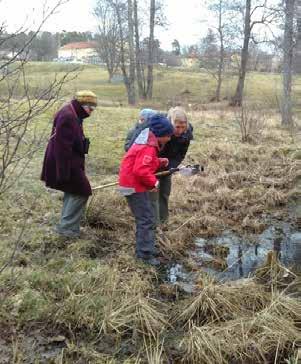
(20, 105)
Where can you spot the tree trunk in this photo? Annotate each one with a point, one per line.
(139, 72)
(122, 47)
(131, 78)
(111, 74)
(221, 55)
(297, 56)
(238, 97)
(219, 76)
(150, 67)
(288, 45)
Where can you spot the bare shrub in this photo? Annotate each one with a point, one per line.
(21, 104)
(251, 121)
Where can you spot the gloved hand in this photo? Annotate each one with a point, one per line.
(164, 162)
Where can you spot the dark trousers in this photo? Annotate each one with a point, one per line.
(72, 213)
(141, 207)
(160, 200)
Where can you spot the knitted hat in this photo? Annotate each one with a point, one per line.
(86, 97)
(146, 114)
(160, 126)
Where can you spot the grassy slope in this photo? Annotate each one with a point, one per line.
(169, 86)
(108, 307)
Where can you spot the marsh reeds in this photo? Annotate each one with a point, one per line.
(114, 309)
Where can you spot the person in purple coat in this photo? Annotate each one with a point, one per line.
(64, 162)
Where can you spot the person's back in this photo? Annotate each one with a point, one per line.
(64, 162)
(143, 123)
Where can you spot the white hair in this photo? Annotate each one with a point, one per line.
(177, 114)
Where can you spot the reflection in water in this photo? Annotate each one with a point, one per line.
(256, 249)
(240, 264)
(277, 246)
(296, 250)
(244, 257)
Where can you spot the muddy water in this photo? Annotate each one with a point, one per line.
(230, 257)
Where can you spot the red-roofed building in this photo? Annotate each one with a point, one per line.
(79, 51)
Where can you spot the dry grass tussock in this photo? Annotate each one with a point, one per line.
(273, 274)
(108, 211)
(95, 299)
(264, 338)
(221, 302)
(246, 325)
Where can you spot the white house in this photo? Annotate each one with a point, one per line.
(80, 51)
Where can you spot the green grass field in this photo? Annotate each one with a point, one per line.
(171, 86)
(90, 301)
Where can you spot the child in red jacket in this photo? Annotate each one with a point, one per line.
(137, 178)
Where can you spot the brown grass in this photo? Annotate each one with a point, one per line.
(114, 309)
(264, 338)
(216, 302)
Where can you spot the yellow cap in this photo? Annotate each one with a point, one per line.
(86, 97)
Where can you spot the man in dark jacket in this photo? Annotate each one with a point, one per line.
(64, 162)
(175, 151)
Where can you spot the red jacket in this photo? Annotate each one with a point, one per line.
(139, 165)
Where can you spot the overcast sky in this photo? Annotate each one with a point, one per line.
(183, 17)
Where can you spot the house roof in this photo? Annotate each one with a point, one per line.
(79, 45)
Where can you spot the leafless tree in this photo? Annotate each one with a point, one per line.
(108, 36)
(132, 65)
(20, 105)
(124, 15)
(220, 30)
(220, 39)
(298, 40)
(288, 51)
(141, 81)
(145, 82)
(257, 13)
(237, 99)
(150, 66)
(145, 50)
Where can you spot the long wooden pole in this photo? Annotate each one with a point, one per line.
(105, 186)
(159, 174)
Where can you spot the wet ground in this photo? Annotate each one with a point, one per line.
(231, 257)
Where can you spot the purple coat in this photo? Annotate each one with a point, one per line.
(64, 162)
